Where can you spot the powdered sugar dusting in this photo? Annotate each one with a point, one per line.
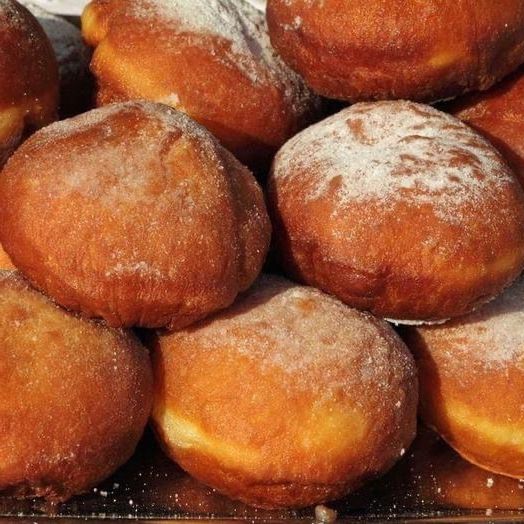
(306, 334)
(241, 26)
(392, 151)
(492, 336)
(120, 164)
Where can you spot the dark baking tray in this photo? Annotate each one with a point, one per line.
(430, 484)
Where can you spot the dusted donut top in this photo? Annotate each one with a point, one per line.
(487, 341)
(472, 382)
(350, 380)
(394, 153)
(211, 59)
(416, 214)
(134, 213)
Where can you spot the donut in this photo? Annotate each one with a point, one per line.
(498, 114)
(209, 59)
(155, 482)
(358, 50)
(399, 209)
(75, 399)
(472, 382)
(73, 58)
(153, 223)
(286, 399)
(29, 77)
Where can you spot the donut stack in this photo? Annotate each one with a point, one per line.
(395, 234)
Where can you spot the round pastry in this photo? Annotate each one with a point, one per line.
(287, 399)
(29, 77)
(135, 214)
(359, 50)
(75, 399)
(73, 58)
(499, 115)
(399, 209)
(209, 59)
(472, 382)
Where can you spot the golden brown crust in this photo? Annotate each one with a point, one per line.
(153, 223)
(286, 399)
(499, 115)
(29, 77)
(75, 399)
(398, 209)
(386, 49)
(211, 60)
(472, 382)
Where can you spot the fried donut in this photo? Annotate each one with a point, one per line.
(287, 399)
(208, 58)
(359, 50)
(399, 209)
(73, 58)
(75, 399)
(472, 382)
(498, 114)
(153, 223)
(29, 77)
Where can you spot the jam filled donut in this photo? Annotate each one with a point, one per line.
(361, 50)
(399, 209)
(73, 58)
(210, 59)
(29, 77)
(133, 213)
(75, 399)
(287, 399)
(499, 115)
(472, 382)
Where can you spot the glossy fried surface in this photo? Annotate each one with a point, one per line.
(472, 380)
(75, 396)
(424, 50)
(29, 77)
(153, 223)
(499, 115)
(209, 59)
(399, 209)
(287, 399)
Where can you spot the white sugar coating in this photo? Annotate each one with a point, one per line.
(493, 336)
(71, 52)
(318, 341)
(394, 151)
(117, 171)
(169, 119)
(240, 25)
